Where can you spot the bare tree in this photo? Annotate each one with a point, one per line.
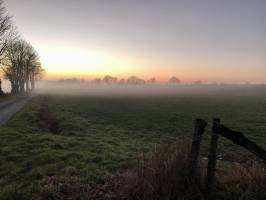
(5, 26)
(198, 82)
(174, 80)
(151, 81)
(36, 74)
(13, 64)
(109, 79)
(32, 67)
(97, 81)
(21, 65)
(133, 80)
(122, 81)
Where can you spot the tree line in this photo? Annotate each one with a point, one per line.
(133, 80)
(111, 80)
(19, 61)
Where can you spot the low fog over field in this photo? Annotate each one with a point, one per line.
(89, 88)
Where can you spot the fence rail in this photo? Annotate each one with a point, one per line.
(239, 138)
(218, 130)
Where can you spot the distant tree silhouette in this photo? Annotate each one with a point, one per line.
(71, 80)
(133, 80)
(151, 81)
(109, 79)
(36, 74)
(174, 80)
(97, 81)
(32, 67)
(122, 81)
(198, 82)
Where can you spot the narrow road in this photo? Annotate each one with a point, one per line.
(9, 107)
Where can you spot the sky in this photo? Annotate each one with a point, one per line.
(208, 40)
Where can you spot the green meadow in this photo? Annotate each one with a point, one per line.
(94, 136)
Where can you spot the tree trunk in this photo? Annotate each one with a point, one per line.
(27, 85)
(21, 87)
(1, 91)
(32, 82)
(14, 88)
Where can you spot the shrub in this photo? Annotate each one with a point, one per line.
(61, 188)
(162, 174)
(246, 181)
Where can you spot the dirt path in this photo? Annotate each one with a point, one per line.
(10, 107)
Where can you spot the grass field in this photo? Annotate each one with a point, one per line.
(92, 137)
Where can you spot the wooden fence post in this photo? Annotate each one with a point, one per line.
(199, 126)
(212, 159)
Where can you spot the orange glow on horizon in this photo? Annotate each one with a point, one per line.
(69, 61)
(162, 78)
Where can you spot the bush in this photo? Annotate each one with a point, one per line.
(245, 182)
(61, 188)
(164, 174)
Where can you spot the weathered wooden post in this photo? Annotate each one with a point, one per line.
(212, 159)
(199, 128)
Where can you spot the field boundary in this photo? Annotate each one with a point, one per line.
(218, 130)
(10, 107)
